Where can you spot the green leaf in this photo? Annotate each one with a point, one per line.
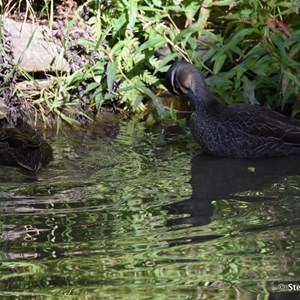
(249, 90)
(237, 37)
(137, 102)
(84, 42)
(92, 86)
(156, 100)
(132, 13)
(219, 80)
(186, 33)
(209, 54)
(119, 24)
(164, 61)
(111, 74)
(99, 100)
(118, 46)
(157, 3)
(219, 3)
(102, 37)
(219, 62)
(152, 43)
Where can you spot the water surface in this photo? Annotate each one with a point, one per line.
(136, 213)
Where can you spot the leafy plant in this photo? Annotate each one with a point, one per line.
(261, 41)
(248, 50)
(251, 55)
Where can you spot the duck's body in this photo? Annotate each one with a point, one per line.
(232, 131)
(23, 148)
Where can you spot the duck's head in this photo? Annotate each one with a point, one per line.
(183, 79)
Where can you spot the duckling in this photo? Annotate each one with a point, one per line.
(23, 148)
(239, 130)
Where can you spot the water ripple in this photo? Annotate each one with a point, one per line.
(142, 216)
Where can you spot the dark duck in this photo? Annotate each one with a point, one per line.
(23, 148)
(245, 131)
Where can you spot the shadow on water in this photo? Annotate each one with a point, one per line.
(215, 178)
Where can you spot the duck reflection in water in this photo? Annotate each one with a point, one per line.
(215, 178)
(23, 148)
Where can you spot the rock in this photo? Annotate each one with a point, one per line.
(33, 88)
(33, 48)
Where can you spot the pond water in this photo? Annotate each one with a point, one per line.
(136, 213)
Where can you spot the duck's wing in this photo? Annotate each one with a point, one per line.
(275, 115)
(260, 122)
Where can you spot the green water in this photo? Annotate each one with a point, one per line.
(139, 215)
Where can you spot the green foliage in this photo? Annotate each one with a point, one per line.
(248, 50)
(251, 55)
(129, 35)
(260, 39)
